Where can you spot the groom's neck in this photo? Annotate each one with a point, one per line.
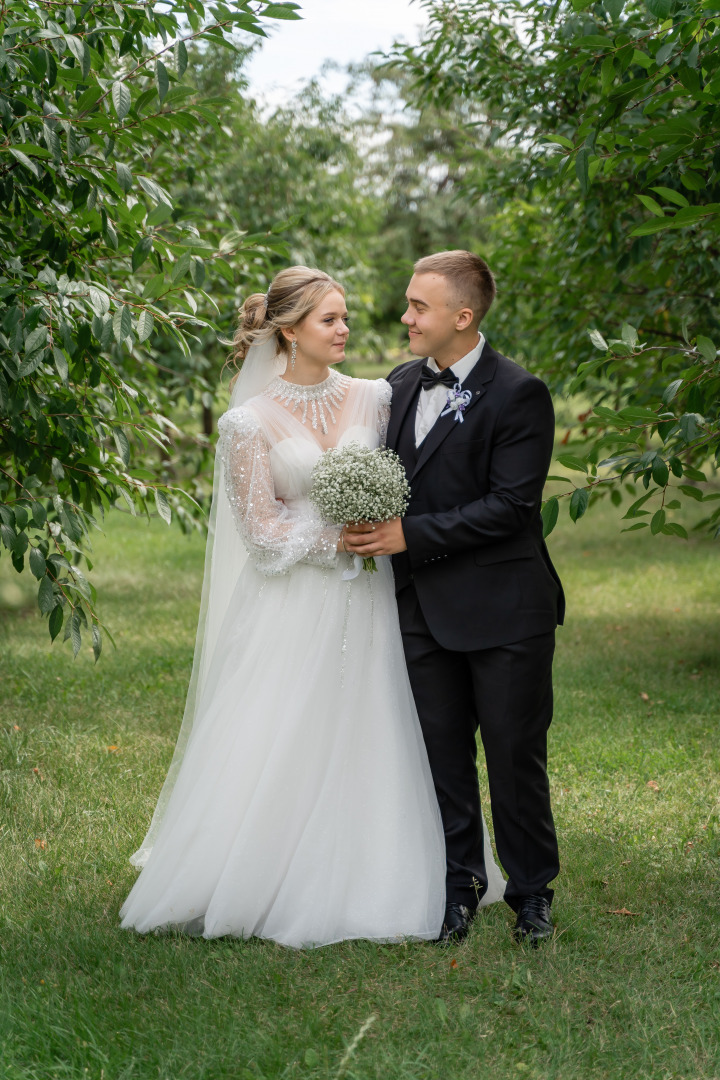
(460, 345)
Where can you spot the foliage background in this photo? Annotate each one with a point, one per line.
(146, 192)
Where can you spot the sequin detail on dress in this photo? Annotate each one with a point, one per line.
(276, 536)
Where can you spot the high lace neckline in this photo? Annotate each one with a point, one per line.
(318, 401)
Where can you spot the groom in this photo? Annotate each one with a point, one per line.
(477, 594)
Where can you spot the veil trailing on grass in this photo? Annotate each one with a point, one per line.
(225, 556)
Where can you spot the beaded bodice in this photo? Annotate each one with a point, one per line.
(314, 403)
(268, 450)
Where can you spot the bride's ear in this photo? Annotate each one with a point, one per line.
(288, 332)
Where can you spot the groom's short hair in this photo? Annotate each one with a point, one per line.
(469, 276)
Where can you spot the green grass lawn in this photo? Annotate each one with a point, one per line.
(634, 770)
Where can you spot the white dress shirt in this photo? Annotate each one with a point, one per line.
(432, 402)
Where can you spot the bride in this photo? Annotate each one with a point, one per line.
(299, 804)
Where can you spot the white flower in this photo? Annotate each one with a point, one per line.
(356, 483)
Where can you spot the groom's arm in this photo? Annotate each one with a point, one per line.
(519, 463)
(520, 458)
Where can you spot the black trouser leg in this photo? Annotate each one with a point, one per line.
(442, 686)
(508, 692)
(514, 701)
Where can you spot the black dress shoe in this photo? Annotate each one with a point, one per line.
(533, 921)
(456, 923)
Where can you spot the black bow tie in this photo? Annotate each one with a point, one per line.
(429, 378)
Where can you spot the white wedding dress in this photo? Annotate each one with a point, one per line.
(303, 809)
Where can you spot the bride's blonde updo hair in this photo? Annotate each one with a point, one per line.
(293, 294)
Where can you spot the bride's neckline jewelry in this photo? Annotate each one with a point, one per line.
(316, 400)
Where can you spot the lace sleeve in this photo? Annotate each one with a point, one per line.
(276, 537)
(384, 397)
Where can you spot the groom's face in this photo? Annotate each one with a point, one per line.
(431, 316)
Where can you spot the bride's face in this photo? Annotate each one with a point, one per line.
(322, 335)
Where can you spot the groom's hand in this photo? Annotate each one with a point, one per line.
(383, 538)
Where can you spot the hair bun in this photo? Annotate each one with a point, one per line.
(295, 292)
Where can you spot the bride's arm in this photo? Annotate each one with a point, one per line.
(276, 538)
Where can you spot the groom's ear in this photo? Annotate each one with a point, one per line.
(464, 318)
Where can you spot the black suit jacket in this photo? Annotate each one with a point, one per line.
(475, 551)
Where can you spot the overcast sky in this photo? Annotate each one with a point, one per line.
(341, 30)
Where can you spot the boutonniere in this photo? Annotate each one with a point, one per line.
(457, 402)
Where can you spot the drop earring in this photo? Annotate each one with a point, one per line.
(293, 355)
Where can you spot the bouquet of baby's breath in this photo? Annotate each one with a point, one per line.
(355, 484)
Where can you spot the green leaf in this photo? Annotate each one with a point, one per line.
(634, 510)
(55, 622)
(582, 168)
(162, 79)
(637, 525)
(650, 204)
(629, 334)
(24, 160)
(46, 596)
(29, 366)
(163, 506)
(671, 391)
(197, 271)
(570, 461)
(691, 492)
(81, 53)
(657, 522)
(550, 512)
(121, 99)
(122, 322)
(110, 235)
(141, 251)
(75, 635)
(124, 175)
(598, 340)
(663, 54)
(181, 57)
(123, 446)
(659, 8)
(660, 472)
(674, 527)
(671, 196)
(579, 503)
(614, 8)
(37, 563)
(650, 227)
(181, 267)
(154, 286)
(281, 11)
(145, 325)
(704, 346)
(693, 181)
(560, 140)
(636, 415)
(36, 339)
(96, 641)
(154, 190)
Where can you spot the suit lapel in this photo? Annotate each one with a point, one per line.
(404, 394)
(476, 383)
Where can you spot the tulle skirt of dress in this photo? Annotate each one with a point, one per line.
(304, 810)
